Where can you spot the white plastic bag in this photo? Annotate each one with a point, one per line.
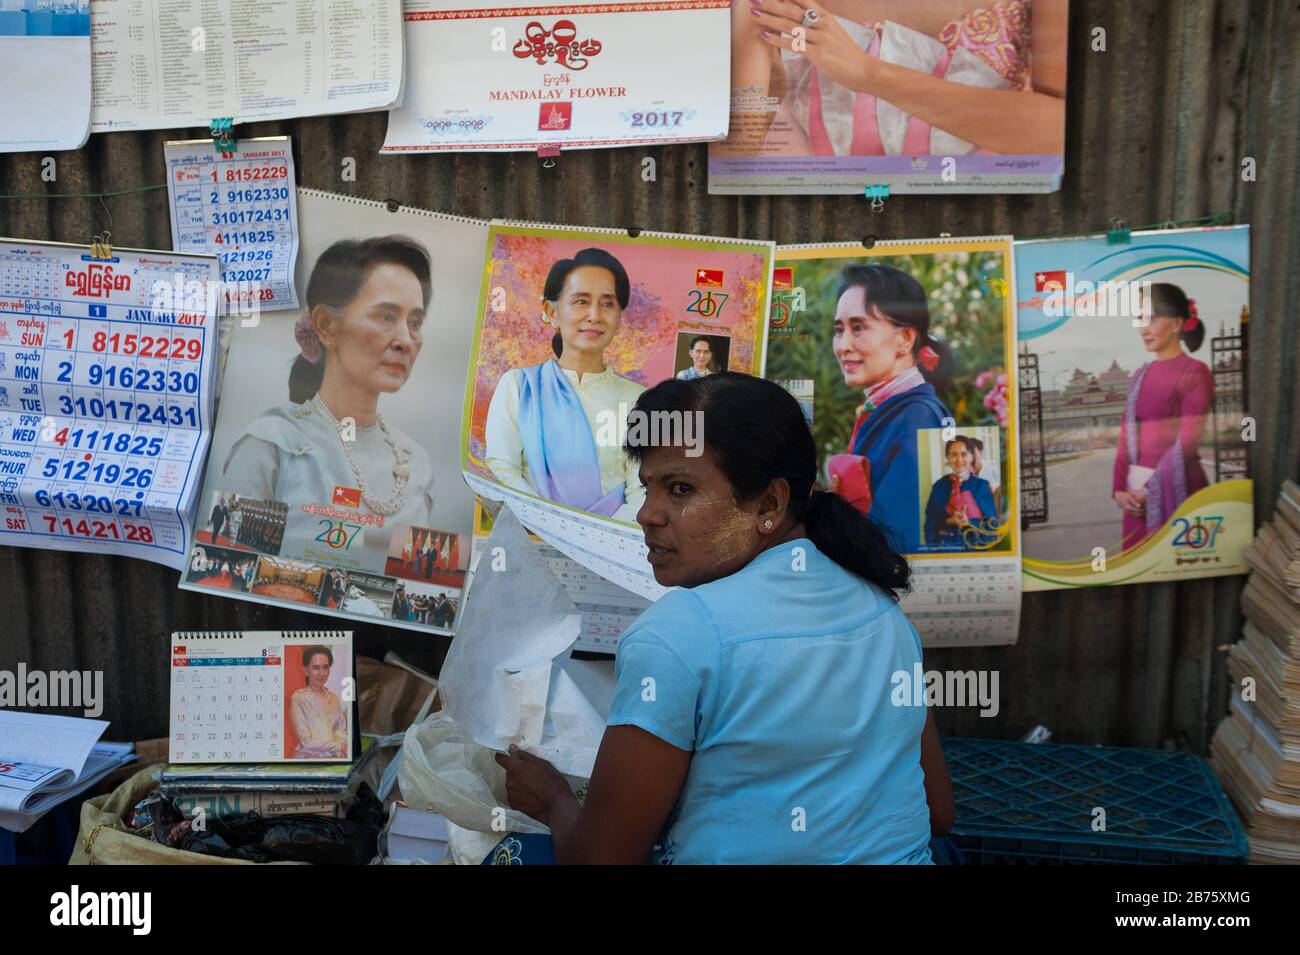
(445, 771)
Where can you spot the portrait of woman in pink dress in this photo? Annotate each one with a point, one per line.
(904, 77)
(1158, 462)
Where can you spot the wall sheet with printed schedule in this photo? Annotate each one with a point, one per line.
(106, 397)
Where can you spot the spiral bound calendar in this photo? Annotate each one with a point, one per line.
(263, 696)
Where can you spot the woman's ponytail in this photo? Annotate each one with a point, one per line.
(305, 379)
(855, 542)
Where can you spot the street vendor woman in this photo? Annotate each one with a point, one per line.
(752, 719)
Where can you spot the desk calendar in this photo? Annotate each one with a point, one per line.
(105, 397)
(261, 696)
(241, 207)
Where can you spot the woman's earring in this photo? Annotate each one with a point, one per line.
(767, 525)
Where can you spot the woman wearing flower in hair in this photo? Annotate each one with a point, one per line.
(544, 420)
(883, 345)
(359, 339)
(1158, 461)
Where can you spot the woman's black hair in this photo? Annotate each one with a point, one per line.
(902, 300)
(970, 443)
(756, 433)
(700, 338)
(337, 279)
(1170, 301)
(309, 652)
(559, 273)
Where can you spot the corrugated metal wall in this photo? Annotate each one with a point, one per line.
(1158, 126)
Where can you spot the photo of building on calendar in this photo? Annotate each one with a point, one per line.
(1132, 376)
(326, 458)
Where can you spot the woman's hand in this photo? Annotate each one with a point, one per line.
(1131, 502)
(532, 784)
(824, 43)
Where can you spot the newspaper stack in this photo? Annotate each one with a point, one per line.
(1256, 750)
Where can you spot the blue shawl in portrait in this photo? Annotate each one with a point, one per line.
(558, 443)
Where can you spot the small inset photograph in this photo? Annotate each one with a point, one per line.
(369, 595)
(316, 717)
(222, 568)
(428, 604)
(243, 523)
(700, 355)
(961, 493)
(427, 554)
(295, 581)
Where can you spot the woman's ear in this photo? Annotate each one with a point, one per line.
(907, 338)
(548, 314)
(325, 324)
(774, 504)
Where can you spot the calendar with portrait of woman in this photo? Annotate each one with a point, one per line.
(573, 326)
(344, 411)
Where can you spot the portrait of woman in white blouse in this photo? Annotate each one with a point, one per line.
(544, 421)
(359, 339)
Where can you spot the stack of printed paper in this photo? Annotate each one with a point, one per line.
(1256, 750)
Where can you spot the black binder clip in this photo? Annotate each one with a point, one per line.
(633, 231)
(869, 242)
(392, 205)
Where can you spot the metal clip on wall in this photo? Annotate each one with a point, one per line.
(877, 194)
(222, 131)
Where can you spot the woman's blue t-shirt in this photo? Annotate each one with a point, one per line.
(778, 679)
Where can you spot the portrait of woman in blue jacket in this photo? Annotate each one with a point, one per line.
(883, 345)
(961, 512)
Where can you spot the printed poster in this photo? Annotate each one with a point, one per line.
(1134, 411)
(164, 64)
(500, 75)
(625, 312)
(838, 97)
(45, 49)
(900, 356)
(330, 486)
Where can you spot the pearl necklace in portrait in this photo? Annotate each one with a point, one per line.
(401, 469)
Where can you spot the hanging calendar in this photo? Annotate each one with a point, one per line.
(106, 401)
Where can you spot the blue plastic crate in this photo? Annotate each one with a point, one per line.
(1023, 803)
